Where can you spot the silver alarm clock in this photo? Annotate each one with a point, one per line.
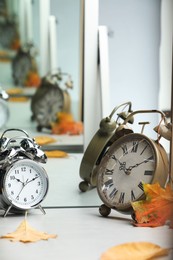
(23, 181)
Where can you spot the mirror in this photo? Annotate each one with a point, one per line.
(61, 49)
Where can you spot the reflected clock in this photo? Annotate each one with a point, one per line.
(48, 100)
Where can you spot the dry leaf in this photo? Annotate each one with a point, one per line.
(156, 209)
(56, 154)
(25, 233)
(18, 99)
(66, 125)
(14, 91)
(42, 140)
(135, 251)
(32, 79)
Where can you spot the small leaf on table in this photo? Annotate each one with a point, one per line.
(134, 251)
(25, 233)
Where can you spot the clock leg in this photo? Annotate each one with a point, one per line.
(6, 212)
(84, 186)
(42, 210)
(104, 210)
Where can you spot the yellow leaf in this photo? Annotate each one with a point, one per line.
(18, 99)
(134, 251)
(56, 154)
(25, 233)
(42, 140)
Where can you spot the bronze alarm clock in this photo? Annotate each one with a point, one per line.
(131, 160)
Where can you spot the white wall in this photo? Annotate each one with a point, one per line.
(134, 42)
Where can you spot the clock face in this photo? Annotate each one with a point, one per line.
(22, 64)
(4, 113)
(130, 162)
(25, 184)
(48, 105)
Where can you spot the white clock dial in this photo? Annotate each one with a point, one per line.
(127, 165)
(25, 184)
(4, 113)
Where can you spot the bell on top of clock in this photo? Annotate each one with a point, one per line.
(4, 109)
(50, 98)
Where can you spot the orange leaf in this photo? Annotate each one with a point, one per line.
(135, 251)
(25, 233)
(156, 209)
(66, 125)
(71, 128)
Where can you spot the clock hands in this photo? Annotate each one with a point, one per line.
(129, 169)
(33, 179)
(25, 183)
(122, 165)
(137, 164)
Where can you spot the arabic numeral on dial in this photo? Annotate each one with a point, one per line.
(39, 183)
(36, 191)
(9, 185)
(12, 177)
(25, 199)
(16, 172)
(12, 192)
(23, 169)
(32, 197)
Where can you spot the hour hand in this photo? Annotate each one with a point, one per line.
(19, 181)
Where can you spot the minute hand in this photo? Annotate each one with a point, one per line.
(137, 164)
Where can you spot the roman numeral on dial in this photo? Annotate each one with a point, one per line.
(109, 171)
(113, 193)
(121, 198)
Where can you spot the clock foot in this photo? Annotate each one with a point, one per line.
(104, 210)
(39, 128)
(6, 212)
(42, 210)
(84, 186)
(32, 118)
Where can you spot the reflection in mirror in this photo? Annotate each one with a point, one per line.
(63, 44)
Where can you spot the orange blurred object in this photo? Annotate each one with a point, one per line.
(33, 79)
(66, 125)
